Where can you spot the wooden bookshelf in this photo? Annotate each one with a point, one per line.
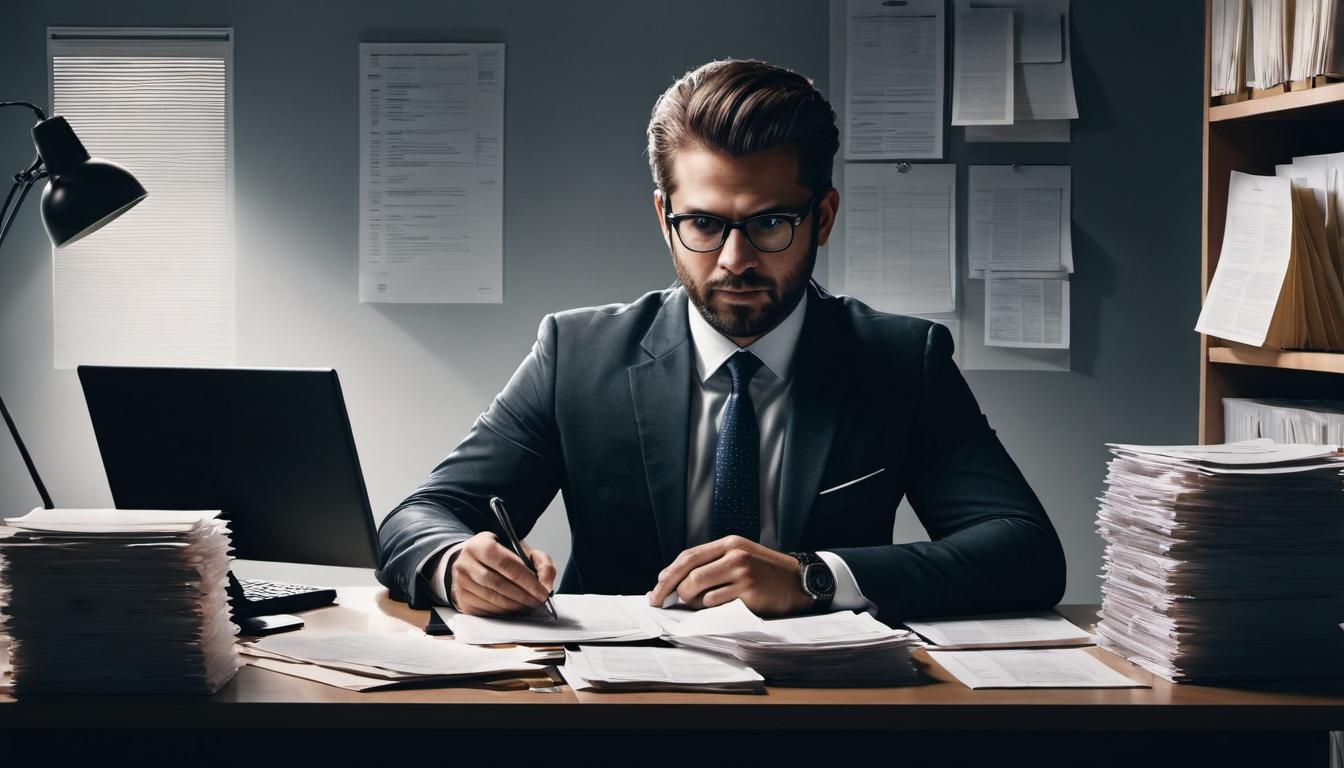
(1253, 136)
(1324, 97)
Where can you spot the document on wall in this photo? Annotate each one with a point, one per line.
(1042, 68)
(1018, 630)
(431, 176)
(894, 80)
(1257, 244)
(900, 236)
(982, 91)
(1026, 310)
(1053, 668)
(1020, 218)
(1025, 132)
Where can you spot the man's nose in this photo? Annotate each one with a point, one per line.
(737, 254)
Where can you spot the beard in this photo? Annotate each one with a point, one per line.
(747, 320)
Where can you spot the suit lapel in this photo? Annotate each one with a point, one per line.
(821, 381)
(661, 391)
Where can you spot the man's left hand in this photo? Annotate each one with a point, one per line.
(732, 567)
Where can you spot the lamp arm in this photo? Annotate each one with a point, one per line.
(23, 183)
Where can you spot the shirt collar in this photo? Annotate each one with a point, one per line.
(775, 349)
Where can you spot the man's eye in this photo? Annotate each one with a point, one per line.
(767, 223)
(705, 224)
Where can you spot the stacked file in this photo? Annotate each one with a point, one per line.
(645, 668)
(1265, 43)
(375, 661)
(843, 649)
(1284, 421)
(117, 601)
(1224, 562)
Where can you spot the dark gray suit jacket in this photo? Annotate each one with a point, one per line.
(599, 410)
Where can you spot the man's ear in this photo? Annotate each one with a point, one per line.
(658, 211)
(826, 210)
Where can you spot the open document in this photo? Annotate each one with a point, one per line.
(900, 237)
(1052, 668)
(894, 80)
(1017, 630)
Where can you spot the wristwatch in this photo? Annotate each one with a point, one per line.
(818, 581)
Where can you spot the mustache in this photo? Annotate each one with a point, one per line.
(744, 282)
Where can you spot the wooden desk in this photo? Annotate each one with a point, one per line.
(261, 699)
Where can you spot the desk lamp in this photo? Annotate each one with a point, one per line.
(83, 193)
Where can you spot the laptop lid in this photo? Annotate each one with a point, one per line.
(271, 448)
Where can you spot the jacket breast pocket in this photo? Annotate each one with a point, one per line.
(865, 486)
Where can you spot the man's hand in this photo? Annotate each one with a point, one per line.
(489, 580)
(732, 567)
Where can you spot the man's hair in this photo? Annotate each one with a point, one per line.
(739, 107)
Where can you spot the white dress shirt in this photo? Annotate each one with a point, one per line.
(771, 397)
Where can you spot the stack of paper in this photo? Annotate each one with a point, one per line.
(363, 662)
(1280, 276)
(1047, 668)
(836, 649)
(643, 668)
(1227, 71)
(118, 601)
(1224, 562)
(1314, 38)
(1284, 421)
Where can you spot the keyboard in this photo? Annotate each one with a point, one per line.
(257, 597)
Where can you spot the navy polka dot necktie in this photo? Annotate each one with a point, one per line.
(737, 458)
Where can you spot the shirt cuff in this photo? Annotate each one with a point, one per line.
(848, 596)
(437, 565)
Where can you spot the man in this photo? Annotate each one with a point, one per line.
(745, 434)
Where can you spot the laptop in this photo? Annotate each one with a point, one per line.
(271, 448)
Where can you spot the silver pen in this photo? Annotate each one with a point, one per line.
(497, 506)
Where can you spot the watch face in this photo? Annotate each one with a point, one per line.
(820, 581)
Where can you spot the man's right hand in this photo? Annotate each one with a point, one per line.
(487, 579)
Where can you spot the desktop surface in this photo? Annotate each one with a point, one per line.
(258, 698)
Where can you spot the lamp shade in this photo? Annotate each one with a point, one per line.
(83, 193)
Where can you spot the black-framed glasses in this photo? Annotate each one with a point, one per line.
(767, 232)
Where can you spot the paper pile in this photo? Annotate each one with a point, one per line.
(117, 601)
(582, 619)
(1224, 562)
(843, 649)
(1284, 421)
(1042, 629)
(644, 668)
(362, 662)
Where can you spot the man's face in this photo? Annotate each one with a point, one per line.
(740, 291)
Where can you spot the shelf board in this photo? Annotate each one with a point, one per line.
(1329, 362)
(1280, 103)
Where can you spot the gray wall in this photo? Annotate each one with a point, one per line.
(581, 79)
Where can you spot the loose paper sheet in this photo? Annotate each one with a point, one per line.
(900, 237)
(1257, 242)
(1026, 311)
(1045, 628)
(983, 67)
(431, 172)
(1055, 668)
(1020, 218)
(894, 80)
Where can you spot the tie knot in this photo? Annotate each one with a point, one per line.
(742, 366)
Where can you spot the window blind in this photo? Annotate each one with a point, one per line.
(157, 285)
